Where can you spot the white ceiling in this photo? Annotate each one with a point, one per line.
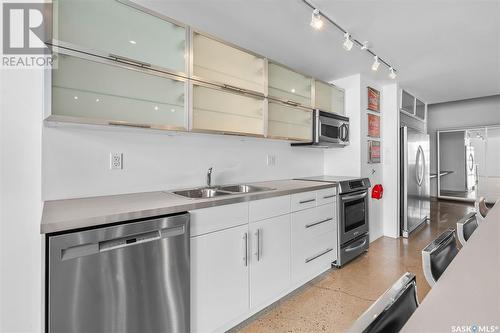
(444, 50)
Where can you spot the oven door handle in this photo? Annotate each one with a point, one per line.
(354, 197)
(349, 249)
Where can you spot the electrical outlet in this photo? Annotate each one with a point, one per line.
(116, 161)
(271, 160)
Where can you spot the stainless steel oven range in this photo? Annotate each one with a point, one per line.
(353, 217)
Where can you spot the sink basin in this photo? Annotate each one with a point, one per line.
(199, 193)
(244, 188)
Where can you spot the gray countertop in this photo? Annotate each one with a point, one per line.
(63, 215)
(468, 292)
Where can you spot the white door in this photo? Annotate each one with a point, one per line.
(270, 257)
(219, 278)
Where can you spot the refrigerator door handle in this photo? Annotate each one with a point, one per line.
(420, 170)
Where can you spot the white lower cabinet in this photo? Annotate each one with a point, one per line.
(219, 278)
(270, 260)
(245, 256)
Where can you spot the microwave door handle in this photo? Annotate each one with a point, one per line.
(345, 132)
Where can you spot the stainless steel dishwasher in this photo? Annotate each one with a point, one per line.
(131, 277)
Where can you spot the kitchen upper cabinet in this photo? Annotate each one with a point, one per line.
(419, 109)
(329, 98)
(225, 65)
(270, 268)
(407, 102)
(118, 30)
(221, 110)
(219, 278)
(102, 91)
(289, 86)
(288, 122)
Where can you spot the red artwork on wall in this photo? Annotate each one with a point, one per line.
(373, 126)
(373, 100)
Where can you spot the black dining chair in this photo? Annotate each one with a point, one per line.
(466, 226)
(481, 209)
(438, 255)
(391, 311)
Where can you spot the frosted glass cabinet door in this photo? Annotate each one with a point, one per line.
(112, 27)
(420, 109)
(220, 63)
(328, 98)
(224, 111)
(105, 92)
(288, 122)
(288, 85)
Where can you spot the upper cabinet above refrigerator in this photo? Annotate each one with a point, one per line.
(328, 98)
(120, 30)
(407, 102)
(227, 66)
(289, 86)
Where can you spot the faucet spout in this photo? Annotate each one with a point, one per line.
(209, 177)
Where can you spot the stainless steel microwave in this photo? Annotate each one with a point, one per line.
(329, 130)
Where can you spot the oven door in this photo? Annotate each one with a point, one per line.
(353, 215)
(333, 130)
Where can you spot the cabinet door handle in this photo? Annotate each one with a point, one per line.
(292, 103)
(319, 222)
(306, 201)
(129, 61)
(230, 87)
(328, 196)
(318, 255)
(257, 254)
(245, 256)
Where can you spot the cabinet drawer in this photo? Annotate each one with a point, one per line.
(303, 200)
(266, 208)
(216, 218)
(326, 196)
(312, 257)
(310, 223)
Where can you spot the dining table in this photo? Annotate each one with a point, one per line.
(466, 298)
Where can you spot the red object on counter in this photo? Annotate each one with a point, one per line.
(377, 192)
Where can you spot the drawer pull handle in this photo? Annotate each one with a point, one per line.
(306, 201)
(319, 222)
(318, 255)
(329, 196)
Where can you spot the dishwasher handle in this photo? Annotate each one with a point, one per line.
(121, 242)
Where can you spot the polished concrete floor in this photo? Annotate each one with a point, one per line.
(332, 302)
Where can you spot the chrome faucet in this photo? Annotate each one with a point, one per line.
(209, 177)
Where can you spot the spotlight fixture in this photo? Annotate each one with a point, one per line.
(392, 73)
(316, 21)
(348, 43)
(376, 63)
(366, 45)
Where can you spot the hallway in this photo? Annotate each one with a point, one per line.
(333, 301)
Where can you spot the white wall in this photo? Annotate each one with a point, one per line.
(390, 158)
(459, 114)
(76, 161)
(373, 171)
(20, 201)
(353, 160)
(347, 161)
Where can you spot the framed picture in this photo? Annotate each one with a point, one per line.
(373, 151)
(373, 126)
(373, 99)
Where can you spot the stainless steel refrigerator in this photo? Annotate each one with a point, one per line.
(415, 181)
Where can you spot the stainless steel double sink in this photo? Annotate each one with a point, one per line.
(216, 191)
